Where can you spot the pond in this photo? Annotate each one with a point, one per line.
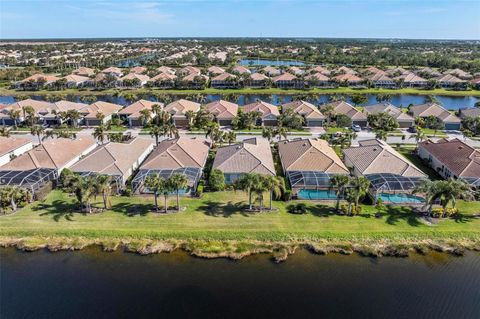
(403, 100)
(261, 62)
(94, 284)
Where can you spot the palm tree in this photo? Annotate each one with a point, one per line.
(100, 116)
(37, 130)
(74, 116)
(340, 184)
(15, 116)
(171, 130)
(190, 115)
(429, 189)
(156, 109)
(103, 187)
(84, 188)
(155, 131)
(259, 188)
(268, 133)
(329, 112)
(155, 184)
(275, 184)
(29, 114)
(359, 187)
(230, 137)
(178, 181)
(419, 136)
(247, 182)
(4, 131)
(145, 115)
(281, 131)
(99, 133)
(381, 134)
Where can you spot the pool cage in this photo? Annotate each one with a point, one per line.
(193, 175)
(472, 181)
(391, 184)
(31, 180)
(116, 180)
(309, 179)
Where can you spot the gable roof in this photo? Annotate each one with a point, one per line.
(163, 76)
(449, 78)
(180, 107)
(84, 71)
(177, 153)
(215, 70)
(433, 109)
(113, 158)
(9, 144)
(76, 78)
(347, 77)
(48, 78)
(310, 155)
(222, 109)
(251, 156)
(136, 107)
(241, 69)
(54, 154)
(375, 157)
(318, 77)
(284, 77)
(460, 158)
(258, 77)
(305, 109)
(390, 109)
(411, 78)
(263, 107)
(165, 69)
(131, 76)
(105, 108)
(342, 107)
(321, 69)
(224, 76)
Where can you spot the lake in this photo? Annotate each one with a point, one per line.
(403, 100)
(261, 62)
(94, 284)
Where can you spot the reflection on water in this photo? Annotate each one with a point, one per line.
(91, 284)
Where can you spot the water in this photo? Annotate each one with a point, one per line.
(260, 62)
(401, 198)
(449, 102)
(316, 194)
(92, 284)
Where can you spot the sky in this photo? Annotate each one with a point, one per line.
(410, 19)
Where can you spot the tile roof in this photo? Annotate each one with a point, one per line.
(9, 144)
(241, 69)
(376, 156)
(460, 158)
(105, 108)
(450, 78)
(133, 110)
(251, 156)
(224, 76)
(47, 77)
(258, 77)
(342, 107)
(284, 77)
(180, 107)
(308, 110)
(433, 109)
(310, 155)
(347, 77)
(84, 71)
(390, 109)
(215, 70)
(263, 107)
(318, 76)
(222, 109)
(177, 153)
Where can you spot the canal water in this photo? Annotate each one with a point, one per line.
(94, 284)
(402, 100)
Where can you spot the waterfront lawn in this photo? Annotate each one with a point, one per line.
(220, 216)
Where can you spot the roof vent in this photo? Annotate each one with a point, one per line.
(460, 147)
(375, 149)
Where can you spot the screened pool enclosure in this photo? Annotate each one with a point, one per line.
(31, 180)
(314, 185)
(193, 174)
(394, 188)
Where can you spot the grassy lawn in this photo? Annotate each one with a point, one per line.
(407, 152)
(218, 216)
(339, 90)
(116, 128)
(431, 133)
(333, 130)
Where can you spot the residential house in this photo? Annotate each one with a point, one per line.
(258, 80)
(287, 81)
(342, 107)
(36, 81)
(460, 74)
(392, 177)
(429, 73)
(239, 69)
(317, 80)
(321, 69)
(469, 112)
(295, 70)
(188, 70)
(132, 112)
(84, 71)
(424, 111)
(411, 80)
(475, 83)
(113, 71)
(42, 109)
(165, 69)
(310, 113)
(75, 81)
(450, 81)
(269, 112)
(252, 155)
(404, 120)
(271, 71)
(223, 111)
(348, 79)
(215, 70)
(181, 155)
(91, 113)
(452, 159)
(11, 147)
(193, 81)
(398, 71)
(138, 70)
(44, 163)
(62, 109)
(117, 160)
(382, 80)
(133, 80)
(179, 108)
(345, 70)
(309, 164)
(163, 80)
(225, 81)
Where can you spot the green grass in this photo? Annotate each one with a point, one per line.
(217, 216)
(417, 161)
(339, 90)
(333, 130)
(116, 128)
(431, 133)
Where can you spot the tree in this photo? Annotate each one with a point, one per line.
(73, 116)
(190, 115)
(100, 116)
(281, 131)
(171, 130)
(156, 131)
(100, 133)
(216, 180)
(247, 182)
(359, 187)
(382, 121)
(84, 189)
(289, 118)
(14, 114)
(178, 181)
(359, 99)
(259, 187)
(343, 121)
(419, 136)
(329, 111)
(268, 133)
(103, 187)
(37, 130)
(340, 184)
(381, 134)
(5, 132)
(12, 196)
(145, 115)
(274, 184)
(230, 137)
(157, 185)
(156, 110)
(29, 114)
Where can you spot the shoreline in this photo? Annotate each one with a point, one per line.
(239, 249)
(244, 91)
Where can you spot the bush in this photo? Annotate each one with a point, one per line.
(287, 195)
(128, 192)
(200, 188)
(300, 208)
(216, 181)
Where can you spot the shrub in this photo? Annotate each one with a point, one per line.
(287, 195)
(300, 208)
(216, 181)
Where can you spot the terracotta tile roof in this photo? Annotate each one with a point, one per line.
(215, 70)
(310, 155)
(375, 156)
(104, 107)
(258, 77)
(346, 70)
(54, 154)
(321, 69)
(192, 77)
(241, 69)
(76, 78)
(114, 158)
(342, 107)
(411, 78)
(112, 70)
(270, 70)
(191, 70)
(64, 106)
(380, 77)
(163, 77)
(265, 108)
(41, 107)
(84, 71)
(347, 77)
(284, 77)
(373, 70)
(131, 76)
(35, 77)
(138, 69)
(9, 144)
(166, 69)
(251, 156)
(318, 76)
(180, 107)
(308, 110)
(390, 109)
(460, 73)
(461, 159)
(222, 109)
(450, 78)
(177, 153)
(224, 76)
(133, 110)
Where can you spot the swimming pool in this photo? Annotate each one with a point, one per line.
(400, 198)
(316, 194)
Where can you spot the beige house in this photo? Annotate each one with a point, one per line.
(309, 164)
(342, 107)
(181, 155)
(179, 108)
(253, 155)
(424, 111)
(223, 111)
(269, 112)
(310, 113)
(132, 111)
(12, 147)
(91, 112)
(404, 120)
(84, 71)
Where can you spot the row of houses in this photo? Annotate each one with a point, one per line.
(224, 112)
(240, 76)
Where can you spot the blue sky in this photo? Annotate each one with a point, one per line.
(232, 18)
